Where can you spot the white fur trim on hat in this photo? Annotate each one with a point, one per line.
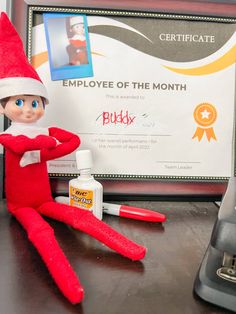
(76, 20)
(12, 86)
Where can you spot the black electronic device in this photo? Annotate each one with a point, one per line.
(216, 279)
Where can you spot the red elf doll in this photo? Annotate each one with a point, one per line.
(77, 50)
(27, 149)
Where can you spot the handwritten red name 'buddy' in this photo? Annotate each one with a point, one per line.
(117, 118)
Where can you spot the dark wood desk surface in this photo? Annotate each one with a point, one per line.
(161, 283)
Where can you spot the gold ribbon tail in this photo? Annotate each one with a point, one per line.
(199, 133)
(210, 134)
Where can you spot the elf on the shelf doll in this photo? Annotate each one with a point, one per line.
(27, 148)
(77, 50)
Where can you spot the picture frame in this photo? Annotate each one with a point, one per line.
(133, 186)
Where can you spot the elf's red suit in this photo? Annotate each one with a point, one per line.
(77, 52)
(28, 196)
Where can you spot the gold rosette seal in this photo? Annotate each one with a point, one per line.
(205, 115)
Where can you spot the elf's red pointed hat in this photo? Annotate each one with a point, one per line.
(17, 76)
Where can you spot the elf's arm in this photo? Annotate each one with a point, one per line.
(20, 144)
(68, 142)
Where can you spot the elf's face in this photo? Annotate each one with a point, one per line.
(23, 108)
(78, 29)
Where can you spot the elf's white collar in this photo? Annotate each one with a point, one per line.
(78, 37)
(30, 130)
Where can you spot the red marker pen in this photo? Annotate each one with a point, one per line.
(124, 211)
(133, 212)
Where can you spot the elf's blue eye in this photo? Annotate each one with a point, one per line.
(19, 102)
(35, 103)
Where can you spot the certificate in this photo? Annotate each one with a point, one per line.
(160, 103)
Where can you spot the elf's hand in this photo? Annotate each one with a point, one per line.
(67, 143)
(34, 156)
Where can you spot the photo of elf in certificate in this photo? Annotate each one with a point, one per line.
(68, 46)
(77, 49)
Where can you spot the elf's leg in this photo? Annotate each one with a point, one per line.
(42, 236)
(85, 221)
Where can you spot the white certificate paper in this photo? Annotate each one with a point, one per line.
(160, 103)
